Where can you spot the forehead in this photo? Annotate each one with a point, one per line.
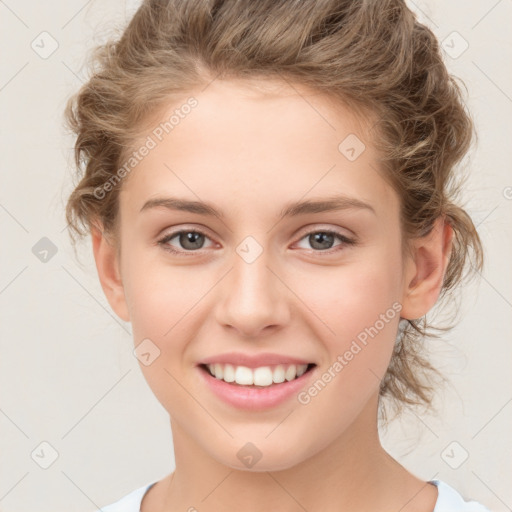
(259, 144)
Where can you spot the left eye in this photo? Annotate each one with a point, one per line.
(323, 240)
(190, 241)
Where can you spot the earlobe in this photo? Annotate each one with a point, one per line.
(107, 265)
(426, 270)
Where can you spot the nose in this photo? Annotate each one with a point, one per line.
(253, 298)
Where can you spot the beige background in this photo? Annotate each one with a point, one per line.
(67, 373)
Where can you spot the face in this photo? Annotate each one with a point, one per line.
(318, 285)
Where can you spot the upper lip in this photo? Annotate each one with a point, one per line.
(253, 361)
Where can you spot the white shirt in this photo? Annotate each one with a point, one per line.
(448, 500)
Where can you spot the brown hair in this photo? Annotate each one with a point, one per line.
(373, 55)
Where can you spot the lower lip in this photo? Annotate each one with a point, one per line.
(255, 398)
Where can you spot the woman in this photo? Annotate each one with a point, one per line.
(268, 190)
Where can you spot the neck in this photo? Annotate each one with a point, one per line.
(352, 473)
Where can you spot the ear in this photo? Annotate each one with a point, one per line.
(425, 270)
(107, 265)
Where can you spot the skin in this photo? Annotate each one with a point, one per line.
(250, 151)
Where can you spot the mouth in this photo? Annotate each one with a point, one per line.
(260, 377)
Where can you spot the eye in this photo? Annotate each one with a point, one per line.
(322, 241)
(189, 240)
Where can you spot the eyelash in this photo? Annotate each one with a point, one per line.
(345, 242)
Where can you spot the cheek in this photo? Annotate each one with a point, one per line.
(352, 297)
(357, 356)
(160, 297)
(161, 301)
(360, 305)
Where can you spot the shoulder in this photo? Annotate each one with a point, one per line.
(449, 500)
(129, 503)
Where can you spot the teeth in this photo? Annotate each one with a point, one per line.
(219, 371)
(244, 375)
(261, 376)
(229, 373)
(291, 372)
(301, 369)
(278, 374)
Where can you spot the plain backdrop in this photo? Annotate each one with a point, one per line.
(72, 397)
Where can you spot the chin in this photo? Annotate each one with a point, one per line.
(260, 456)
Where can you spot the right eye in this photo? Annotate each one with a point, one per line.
(190, 241)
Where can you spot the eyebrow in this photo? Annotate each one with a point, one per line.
(328, 204)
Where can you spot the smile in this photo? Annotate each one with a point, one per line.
(254, 389)
(262, 376)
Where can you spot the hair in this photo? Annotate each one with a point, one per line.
(372, 55)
